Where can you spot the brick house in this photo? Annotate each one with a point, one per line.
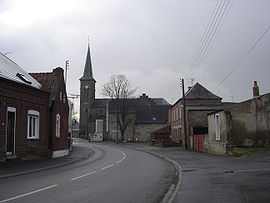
(25, 115)
(54, 83)
(246, 124)
(199, 102)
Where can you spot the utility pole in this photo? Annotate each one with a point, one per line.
(184, 109)
(66, 68)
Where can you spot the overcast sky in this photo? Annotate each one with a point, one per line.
(150, 41)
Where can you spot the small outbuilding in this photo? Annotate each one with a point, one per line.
(246, 124)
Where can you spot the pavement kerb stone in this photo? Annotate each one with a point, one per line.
(174, 189)
(88, 155)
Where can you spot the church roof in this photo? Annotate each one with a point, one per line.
(200, 92)
(88, 73)
(100, 103)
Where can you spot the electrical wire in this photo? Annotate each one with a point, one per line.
(245, 56)
(214, 23)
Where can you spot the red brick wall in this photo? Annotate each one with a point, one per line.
(23, 98)
(61, 107)
(195, 118)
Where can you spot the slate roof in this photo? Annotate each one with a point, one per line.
(100, 103)
(47, 80)
(154, 114)
(11, 71)
(160, 101)
(131, 102)
(88, 72)
(200, 92)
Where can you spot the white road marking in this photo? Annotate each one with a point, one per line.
(87, 174)
(29, 193)
(118, 161)
(107, 167)
(252, 170)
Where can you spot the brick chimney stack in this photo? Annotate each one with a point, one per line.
(255, 89)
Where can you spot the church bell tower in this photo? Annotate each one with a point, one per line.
(87, 98)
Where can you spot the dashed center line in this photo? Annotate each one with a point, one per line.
(107, 167)
(29, 193)
(87, 174)
(72, 179)
(252, 170)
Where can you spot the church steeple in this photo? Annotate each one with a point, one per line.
(87, 98)
(88, 73)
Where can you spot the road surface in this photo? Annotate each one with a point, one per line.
(112, 174)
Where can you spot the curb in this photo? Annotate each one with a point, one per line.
(173, 190)
(88, 155)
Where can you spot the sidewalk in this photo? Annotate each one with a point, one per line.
(18, 167)
(211, 178)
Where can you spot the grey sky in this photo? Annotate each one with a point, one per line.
(150, 41)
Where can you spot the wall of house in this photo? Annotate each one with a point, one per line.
(250, 122)
(211, 144)
(112, 127)
(60, 107)
(142, 131)
(23, 98)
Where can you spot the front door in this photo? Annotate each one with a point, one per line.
(11, 126)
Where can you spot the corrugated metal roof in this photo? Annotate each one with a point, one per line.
(11, 71)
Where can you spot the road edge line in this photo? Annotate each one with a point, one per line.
(170, 195)
(49, 167)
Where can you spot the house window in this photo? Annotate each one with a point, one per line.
(57, 133)
(176, 111)
(180, 112)
(33, 124)
(217, 126)
(60, 95)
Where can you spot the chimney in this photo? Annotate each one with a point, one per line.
(255, 89)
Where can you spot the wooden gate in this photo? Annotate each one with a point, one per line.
(198, 143)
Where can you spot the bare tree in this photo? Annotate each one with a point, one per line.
(120, 90)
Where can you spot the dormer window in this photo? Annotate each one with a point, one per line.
(23, 78)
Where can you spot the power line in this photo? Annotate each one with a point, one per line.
(209, 35)
(205, 35)
(199, 62)
(245, 56)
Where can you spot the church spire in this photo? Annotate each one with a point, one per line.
(88, 73)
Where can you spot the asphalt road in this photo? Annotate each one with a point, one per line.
(211, 179)
(112, 174)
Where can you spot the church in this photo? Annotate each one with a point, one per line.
(97, 115)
